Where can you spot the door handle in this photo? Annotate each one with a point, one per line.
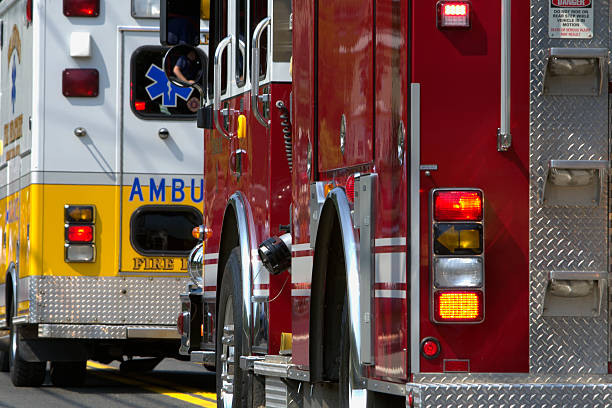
(263, 24)
(223, 44)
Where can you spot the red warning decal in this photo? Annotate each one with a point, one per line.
(571, 3)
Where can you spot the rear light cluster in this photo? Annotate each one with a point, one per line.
(81, 82)
(457, 256)
(454, 14)
(79, 233)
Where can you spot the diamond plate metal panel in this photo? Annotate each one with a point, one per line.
(564, 238)
(481, 395)
(108, 300)
(81, 331)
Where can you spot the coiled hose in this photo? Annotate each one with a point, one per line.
(286, 126)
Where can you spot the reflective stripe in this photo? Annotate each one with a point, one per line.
(390, 294)
(396, 241)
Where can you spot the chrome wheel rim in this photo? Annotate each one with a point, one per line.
(227, 356)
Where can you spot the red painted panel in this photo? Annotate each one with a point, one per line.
(345, 82)
(459, 73)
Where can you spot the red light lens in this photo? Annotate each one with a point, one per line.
(454, 14)
(80, 233)
(430, 348)
(80, 82)
(180, 321)
(140, 106)
(81, 8)
(29, 11)
(350, 189)
(457, 205)
(458, 306)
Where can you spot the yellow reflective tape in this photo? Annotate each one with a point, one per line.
(112, 373)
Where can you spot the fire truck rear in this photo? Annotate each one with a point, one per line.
(441, 238)
(100, 181)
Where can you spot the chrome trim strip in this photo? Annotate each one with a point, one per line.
(386, 387)
(300, 247)
(203, 357)
(389, 294)
(300, 292)
(211, 256)
(152, 333)
(414, 226)
(395, 241)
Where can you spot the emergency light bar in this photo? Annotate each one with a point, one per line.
(454, 14)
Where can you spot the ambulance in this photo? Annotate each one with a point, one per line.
(100, 173)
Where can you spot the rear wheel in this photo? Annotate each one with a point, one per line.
(23, 373)
(68, 373)
(231, 388)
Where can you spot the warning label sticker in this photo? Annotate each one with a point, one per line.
(570, 19)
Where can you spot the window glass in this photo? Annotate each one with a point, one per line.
(152, 95)
(145, 8)
(259, 11)
(164, 230)
(218, 31)
(241, 33)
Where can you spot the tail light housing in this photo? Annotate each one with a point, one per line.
(457, 256)
(79, 233)
(80, 82)
(82, 8)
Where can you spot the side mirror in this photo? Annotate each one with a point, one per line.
(185, 65)
(179, 22)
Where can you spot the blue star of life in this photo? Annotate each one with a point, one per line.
(14, 85)
(162, 87)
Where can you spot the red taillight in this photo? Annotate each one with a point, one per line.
(80, 233)
(180, 322)
(140, 106)
(430, 348)
(458, 306)
(81, 8)
(457, 205)
(80, 82)
(454, 14)
(350, 188)
(29, 11)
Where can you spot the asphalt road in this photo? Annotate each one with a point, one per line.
(172, 384)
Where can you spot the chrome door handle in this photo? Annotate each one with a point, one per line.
(223, 44)
(263, 24)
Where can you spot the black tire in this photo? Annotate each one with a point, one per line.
(24, 373)
(4, 361)
(231, 291)
(345, 355)
(68, 373)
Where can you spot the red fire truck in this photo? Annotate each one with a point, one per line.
(415, 193)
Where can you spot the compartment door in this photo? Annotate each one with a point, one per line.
(345, 73)
(161, 161)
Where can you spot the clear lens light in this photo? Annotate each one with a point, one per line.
(145, 8)
(458, 272)
(195, 265)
